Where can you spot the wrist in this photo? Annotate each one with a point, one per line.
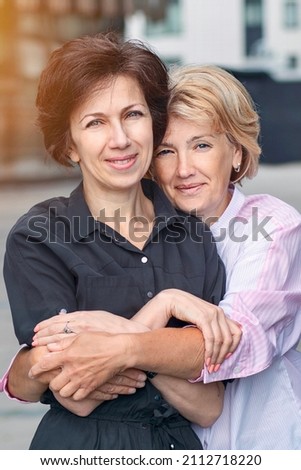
(164, 305)
(126, 350)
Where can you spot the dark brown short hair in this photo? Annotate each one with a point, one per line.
(77, 67)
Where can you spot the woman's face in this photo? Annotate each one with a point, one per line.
(193, 166)
(112, 137)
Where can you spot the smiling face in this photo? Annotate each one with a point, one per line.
(112, 138)
(193, 165)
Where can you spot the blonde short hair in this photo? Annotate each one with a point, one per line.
(209, 93)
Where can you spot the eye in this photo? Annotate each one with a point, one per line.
(163, 153)
(134, 113)
(202, 146)
(94, 123)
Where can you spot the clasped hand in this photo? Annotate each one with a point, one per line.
(97, 350)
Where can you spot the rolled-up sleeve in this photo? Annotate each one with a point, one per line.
(263, 294)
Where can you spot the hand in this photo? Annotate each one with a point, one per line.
(52, 329)
(87, 361)
(221, 335)
(125, 383)
(37, 355)
(122, 384)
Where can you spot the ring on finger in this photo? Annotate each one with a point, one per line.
(67, 329)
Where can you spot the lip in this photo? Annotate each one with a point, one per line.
(122, 163)
(190, 189)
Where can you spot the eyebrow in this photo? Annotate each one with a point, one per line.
(198, 137)
(189, 141)
(99, 113)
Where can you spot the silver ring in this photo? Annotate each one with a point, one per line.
(67, 330)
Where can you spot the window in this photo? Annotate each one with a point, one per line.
(292, 62)
(253, 13)
(253, 26)
(162, 17)
(291, 14)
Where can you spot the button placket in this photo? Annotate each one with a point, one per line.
(148, 277)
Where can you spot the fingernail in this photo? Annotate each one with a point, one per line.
(216, 367)
(140, 384)
(228, 355)
(132, 390)
(208, 361)
(211, 369)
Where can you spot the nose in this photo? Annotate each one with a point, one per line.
(185, 168)
(118, 136)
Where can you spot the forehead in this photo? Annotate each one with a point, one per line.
(179, 125)
(119, 89)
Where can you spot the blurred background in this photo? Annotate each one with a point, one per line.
(257, 40)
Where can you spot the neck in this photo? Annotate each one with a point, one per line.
(131, 214)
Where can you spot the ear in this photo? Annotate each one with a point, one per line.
(73, 155)
(237, 155)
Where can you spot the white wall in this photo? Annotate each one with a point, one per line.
(213, 32)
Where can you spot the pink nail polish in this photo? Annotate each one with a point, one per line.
(228, 355)
(217, 367)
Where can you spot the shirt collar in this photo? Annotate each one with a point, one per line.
(231, 211)
(83, 223)
(163, 208)
(81, 220)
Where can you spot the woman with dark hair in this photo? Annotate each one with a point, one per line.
(104, 252)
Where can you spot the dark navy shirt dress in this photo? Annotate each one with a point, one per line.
(58, 256)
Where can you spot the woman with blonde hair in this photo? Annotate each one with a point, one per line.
(210, 146)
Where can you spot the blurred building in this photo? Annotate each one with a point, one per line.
(259, 40)
(260, 35)
(29, 31)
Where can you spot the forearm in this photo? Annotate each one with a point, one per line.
(178, 352)
(199, 403)
(89, 360)
(19, 384)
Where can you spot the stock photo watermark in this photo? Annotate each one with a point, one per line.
(54, 227)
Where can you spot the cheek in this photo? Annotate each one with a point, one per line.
(162, 172)
(159, 176)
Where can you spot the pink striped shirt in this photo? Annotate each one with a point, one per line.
(259, 240)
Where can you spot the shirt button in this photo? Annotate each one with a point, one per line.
(150, 294)
(171, 446)
(157, 397)
(237, 369)
(144, 259)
